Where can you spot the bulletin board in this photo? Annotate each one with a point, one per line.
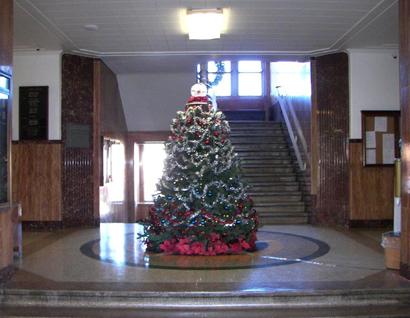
(380, 135)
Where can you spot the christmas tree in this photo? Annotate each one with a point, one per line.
(202, 207)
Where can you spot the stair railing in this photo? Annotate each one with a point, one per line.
(294, 129)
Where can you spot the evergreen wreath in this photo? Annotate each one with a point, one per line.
(220, 70)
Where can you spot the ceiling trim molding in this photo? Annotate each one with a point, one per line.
(46, 23)
(199, 53)
(363, 23)
(337, 46)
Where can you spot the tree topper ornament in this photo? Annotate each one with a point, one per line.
(199, 90)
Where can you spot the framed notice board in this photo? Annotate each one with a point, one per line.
(380, 135)
(33, 109)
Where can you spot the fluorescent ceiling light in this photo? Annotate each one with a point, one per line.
(205, 24)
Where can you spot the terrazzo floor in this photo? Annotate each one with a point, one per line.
(288, 258)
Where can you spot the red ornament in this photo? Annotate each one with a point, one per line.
(216, 133)
(207, 141)
(199, 99)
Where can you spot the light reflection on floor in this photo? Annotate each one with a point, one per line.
(348, 263)
(119, 246)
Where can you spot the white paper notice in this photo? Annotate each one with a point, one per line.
(370, 139)
(388, 148)
(370, 156)
(380, 124)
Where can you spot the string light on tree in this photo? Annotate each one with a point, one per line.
(202, 207)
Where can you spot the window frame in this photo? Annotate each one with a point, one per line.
(239, 103)
(235, 77)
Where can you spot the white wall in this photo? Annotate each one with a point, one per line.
(150, 100)
(374, 84)
(39, 69)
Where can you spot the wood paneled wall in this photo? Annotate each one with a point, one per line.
(371, 188)
(112, 113)
(111, 123)
(79, 185)
(6, 65)
(6, 36)
(330, 129)
(404, 10)
(37, 180)
(6, 239)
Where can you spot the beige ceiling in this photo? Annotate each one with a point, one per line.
(135, 35)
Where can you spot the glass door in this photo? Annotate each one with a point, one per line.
(4, 138)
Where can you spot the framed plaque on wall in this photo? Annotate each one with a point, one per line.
(33, 109)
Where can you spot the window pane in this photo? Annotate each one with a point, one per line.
(250, 84)
(250, 66)
(212, 66)
(224, 86)
(290, 78)
(152, 163)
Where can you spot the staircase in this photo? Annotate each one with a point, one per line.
(238, 304)
(269, 168)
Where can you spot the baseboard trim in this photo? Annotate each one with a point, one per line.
(370, 223)
(405, 270)
(42, 225)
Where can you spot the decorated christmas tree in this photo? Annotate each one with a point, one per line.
(202, 207)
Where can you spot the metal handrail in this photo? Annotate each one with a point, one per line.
(300, 134)
(295, 130)
(282, 101)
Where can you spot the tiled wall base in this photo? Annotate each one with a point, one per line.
(7, 273)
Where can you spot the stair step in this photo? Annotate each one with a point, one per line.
(257, 132)
(280, 197)
(266, 189)
(264, 178)
(359, 303)
(280, 207)
(245, 154)
(274, 193)
(267, 169)
(336, 311)
(266, 161)
(261, 147)
(267, 174)
(256, 123)
(258, 140)
(266, 164)
(283, 220)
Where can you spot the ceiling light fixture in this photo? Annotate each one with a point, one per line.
(205, 24)
(90, 27)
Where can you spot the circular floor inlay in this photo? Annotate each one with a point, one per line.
(273, 249)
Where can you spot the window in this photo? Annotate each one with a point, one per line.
(290, 78)
(240, 78)
(151, 161)
(250, 78)
(224, 88)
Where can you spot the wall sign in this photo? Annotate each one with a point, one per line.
(33, 109)
(380, 133)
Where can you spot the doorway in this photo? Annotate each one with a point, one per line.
(112, 184)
